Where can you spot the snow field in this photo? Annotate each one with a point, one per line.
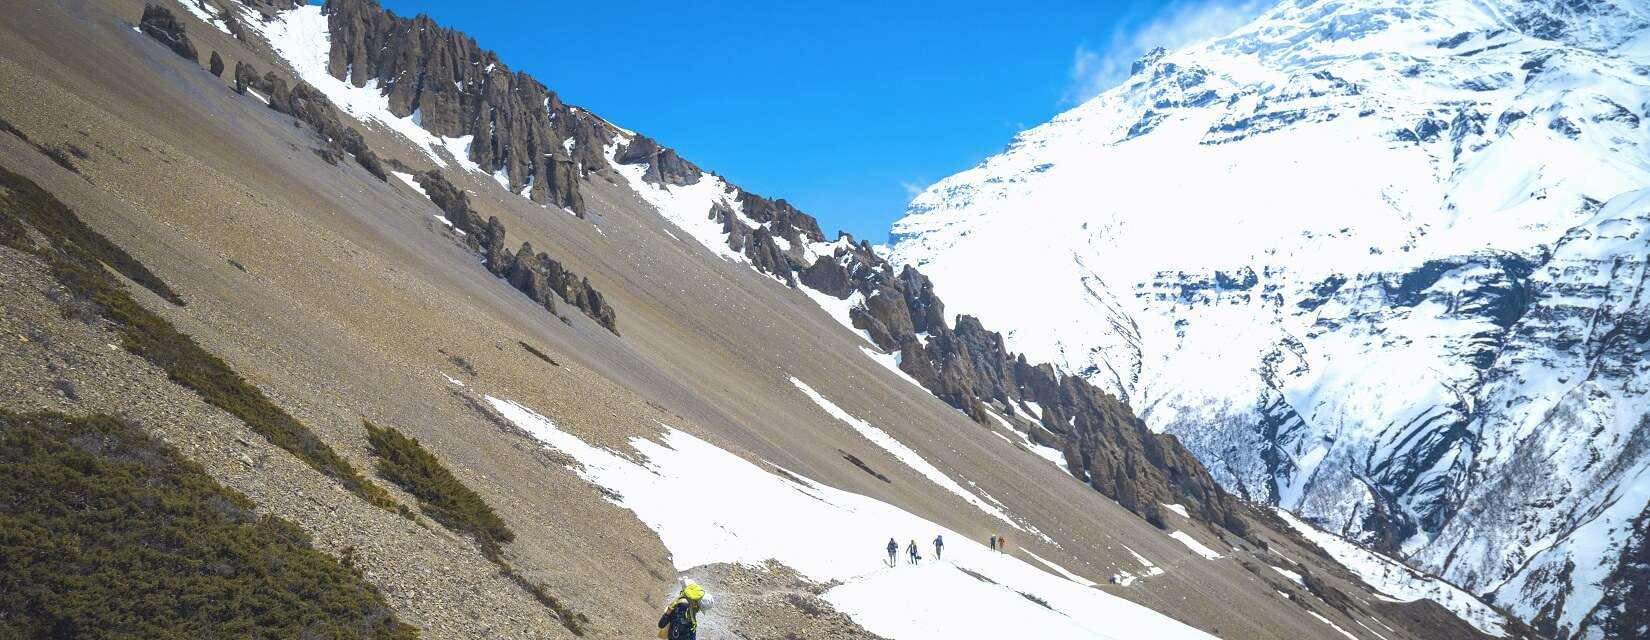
(737, 511)
(911, 458)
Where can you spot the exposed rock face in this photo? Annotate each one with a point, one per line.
(216, 66)
(1624, 611)
(311, 107)
(757, 244)
(517, 125)
(1462, 389)
(159, 23)
(536, 274)
(246, 77)
(663, 165)
(782, 218)
(774, 244)
(970, 368)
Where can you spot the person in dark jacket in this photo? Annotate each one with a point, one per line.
(893, 548)
(993, 543)
(939, 546)
(681, 621)
(911, 550)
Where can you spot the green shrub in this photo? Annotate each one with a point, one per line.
(106, 532)
(405, 462)
(441, 496)
(77, 257)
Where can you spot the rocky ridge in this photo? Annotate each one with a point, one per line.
(521, 129)
(517, 128)
(302, 101)
(970, 368)
(535, 274)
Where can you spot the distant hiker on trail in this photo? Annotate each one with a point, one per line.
(1002, 544)
(939, 546)
(893, 548)
(911, 550)
(681, 620)
(993, 543)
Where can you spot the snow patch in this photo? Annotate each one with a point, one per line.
(1195, 546)
(301, 38)
(904, 454)
(760, 515)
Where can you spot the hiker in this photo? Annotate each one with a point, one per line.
(993, 543)
(911, 550)
(1002, 544)
(681, 620)
(893, 548)
(939, 546)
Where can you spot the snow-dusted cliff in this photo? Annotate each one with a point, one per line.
(1380, 262)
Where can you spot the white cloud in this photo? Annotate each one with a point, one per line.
(913, 189)
(1175, 25)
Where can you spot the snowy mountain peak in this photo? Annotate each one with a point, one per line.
(1350, 254)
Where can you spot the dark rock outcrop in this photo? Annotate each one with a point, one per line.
(159, 23)
(457, 89)
(310, 107)
(216, 66)
(663, 165)
(535, 274)
(523, 129)
(1624, 611)
(971, 368)
(246, 77)
(781, 218)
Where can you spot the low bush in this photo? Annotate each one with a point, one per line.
(442, 497)
(106, 532)
(77, 256)
(403, 461)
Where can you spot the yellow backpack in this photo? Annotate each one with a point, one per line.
(691, 593)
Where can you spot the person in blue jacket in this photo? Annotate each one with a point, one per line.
(893, 548)
(939, 546)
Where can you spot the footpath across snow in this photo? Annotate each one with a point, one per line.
(747, 514)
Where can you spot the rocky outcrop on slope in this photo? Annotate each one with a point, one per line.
(970, 368)
(536, 274)
(528, 137)
(762, 243)
(246, 77)
(663, 165)
(159, 23)
(309, 106)
(517, 127)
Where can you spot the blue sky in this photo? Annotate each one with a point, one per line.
(843, 108)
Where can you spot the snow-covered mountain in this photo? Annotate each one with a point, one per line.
(1379, 262)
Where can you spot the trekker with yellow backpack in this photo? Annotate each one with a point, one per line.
(681, 620)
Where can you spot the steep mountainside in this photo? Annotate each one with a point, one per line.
(1377, 262)
(415, 63)
(313, 295)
